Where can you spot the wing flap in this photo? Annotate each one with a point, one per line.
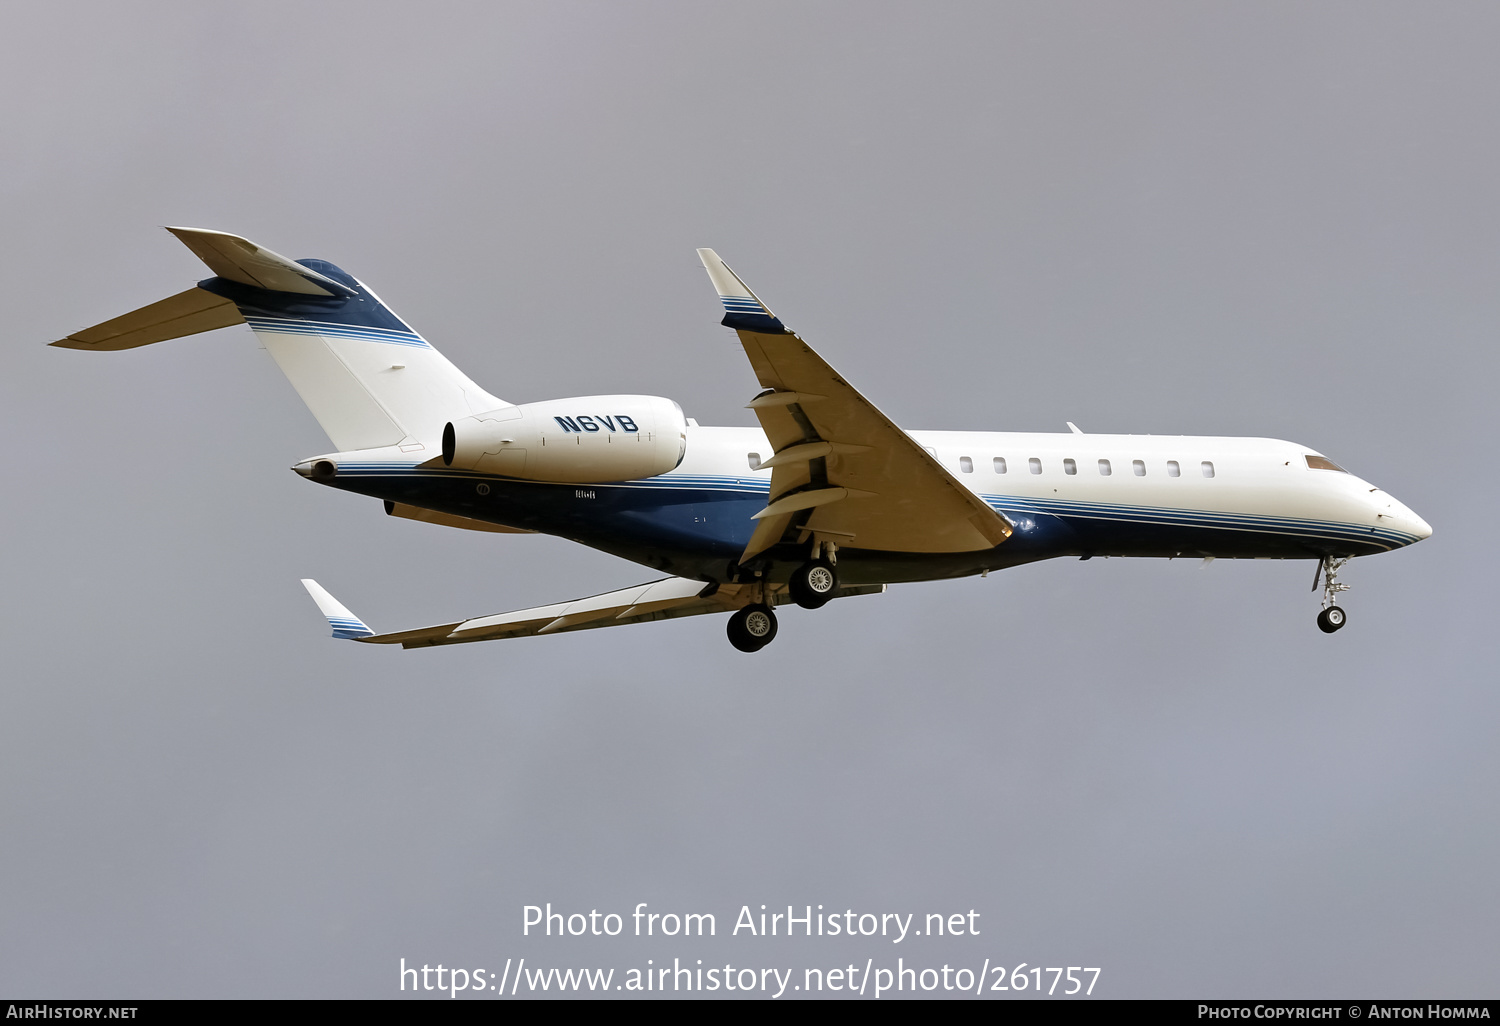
(587, 611)
(898, 497)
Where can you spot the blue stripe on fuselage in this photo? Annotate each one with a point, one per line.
(1164, 516)
(709, 515)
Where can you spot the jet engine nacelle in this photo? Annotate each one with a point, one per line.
(588, 440)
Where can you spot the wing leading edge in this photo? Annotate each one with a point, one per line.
(843, 471)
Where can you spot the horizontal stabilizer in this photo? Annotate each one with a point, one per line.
(186, 313)
(344, 623)
(241, 260)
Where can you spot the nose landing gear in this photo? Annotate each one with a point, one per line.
(1332, 617)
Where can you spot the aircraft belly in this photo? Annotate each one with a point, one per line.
(1267, 540)
(707, 522)
(699, 529)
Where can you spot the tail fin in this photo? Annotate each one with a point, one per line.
(368, 378)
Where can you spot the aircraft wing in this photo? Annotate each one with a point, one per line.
(842, 470)
(658, 600)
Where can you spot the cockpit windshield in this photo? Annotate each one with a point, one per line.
(1323, 463)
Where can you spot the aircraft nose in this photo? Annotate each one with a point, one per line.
(1401, 518)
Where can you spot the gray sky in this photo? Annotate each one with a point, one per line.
(1264, 219)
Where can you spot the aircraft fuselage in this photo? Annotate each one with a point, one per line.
(1067, 494)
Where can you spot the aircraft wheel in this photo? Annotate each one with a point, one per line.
(752, 628)
(813, 584)
(1331, 619)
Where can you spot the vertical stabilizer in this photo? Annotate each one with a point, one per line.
(368, 378)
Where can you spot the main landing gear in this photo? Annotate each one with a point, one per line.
(813, 584)
(1332, 617)
(752, 628)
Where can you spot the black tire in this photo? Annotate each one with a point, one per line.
(1331, 619)
(752, 628)
(813, 584)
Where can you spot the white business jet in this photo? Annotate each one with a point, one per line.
(828, 498)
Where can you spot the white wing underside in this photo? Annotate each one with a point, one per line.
(659, 600)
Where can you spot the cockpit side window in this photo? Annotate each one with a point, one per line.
(1322, 463)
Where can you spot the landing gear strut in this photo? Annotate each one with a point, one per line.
(1332, 617)
(752, 628)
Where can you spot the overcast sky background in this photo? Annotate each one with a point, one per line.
(1272, 219)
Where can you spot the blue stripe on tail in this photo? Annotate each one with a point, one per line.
(349, 313)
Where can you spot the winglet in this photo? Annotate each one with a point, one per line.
(743, 309)
(344, 623)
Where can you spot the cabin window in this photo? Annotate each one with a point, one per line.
(1035, 465)
(966, 465)
(1139, 467)
(1208, 469)
(999, 464)
(1105, 469)
(754, 460)
(1070, 466)
(930, 451)
(1322, 463)
(1174, 469)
